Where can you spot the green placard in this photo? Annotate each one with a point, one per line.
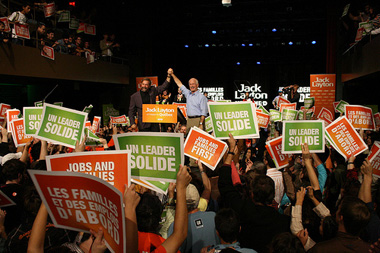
(275, 115)
(341, 106)
(237, 118)
(309, 102)
(38, 104)
(208, 124)
(309, 114)
(154, 156)
(263, 109)
(58, 103)
(64, 16)
(61, 125)
(108, 111)
(163, 186)
(288, 114)
(295, 133)
(32, 118)
(88, 109)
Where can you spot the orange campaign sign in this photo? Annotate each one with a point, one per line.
(5, 200)
(89, 29)
(139, 80)
(49, 10)
(96, 124)
(204, 146)
(123, 120)
(282, 100)
(18, 133)
(156, 113)
(12, 114)
(290, 106)
(344, 138)
(374, 158)
(7, 27)
(111, 166)
(22, 31)
(3, 109)
(322, 88)
(182, 107)
(377, 119)
(326, 115)
(88, 125)
(81, 202)
(360, 117)
(274, 148)
(262, 119)
(335, 104)
(48, 52)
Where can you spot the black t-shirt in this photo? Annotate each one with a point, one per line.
(15, 214)
(145, 97)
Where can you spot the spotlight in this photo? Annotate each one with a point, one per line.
(258, 63)
(238, 63)
(226, 3)
(213, 32)
(274, 30)
(243, 45)
(290, 43)
(313, 42)
(250, 44)
(207, 45)
(186, 46)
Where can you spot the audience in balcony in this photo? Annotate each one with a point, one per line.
(18, 17)
(4, 36)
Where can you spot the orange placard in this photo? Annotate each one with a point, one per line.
(282, 100)
(326, 115)
(88, 125)
(81, 202)
(49, 10)
(111, 166)
(344, 138)
(12, 114)
(274, 148)
(374, 158)
(3, 109)
(123, 120)
(376, 116)
(262, 119)
(18, 133)
(360, 117)
(22, 31)
(290, 106)
(96, 124)
(156, 113)
(182, 107)
(322, 88)
(7, 27)
(154, 80)
(204, 146)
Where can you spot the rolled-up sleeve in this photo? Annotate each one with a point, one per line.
(204, 107)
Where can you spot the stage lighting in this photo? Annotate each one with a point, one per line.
(274, 30)
(313, 42)
(290, 43)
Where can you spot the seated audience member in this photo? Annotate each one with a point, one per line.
(259, 221)
(201, 225)
(227, 228)
(64, 45)
(50, 41)
(78, 50)
(38, 36)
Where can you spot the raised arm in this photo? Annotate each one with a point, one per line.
(365, 188)
(309, 166)
(25, 152)
(37, 236)
(206, 194)
(131, 200)
(175, 240)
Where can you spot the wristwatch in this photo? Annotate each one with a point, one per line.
(200, 123)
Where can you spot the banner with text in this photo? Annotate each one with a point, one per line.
(290, 106)
(182, 107)
(120, 120)
(32, 119)
(7, 27)
(81, 202)
(156, 113)
(3, 109)
(61, 125)
(298, 132)
(274, 115)
(12, 114)
(288, 114)
(262, 119)
(237, 118)
(111, 166)
(360, 117)
(154, 156)
(376, 116)
(322, 88)
(341, 106)
(326, 115)
(96, 124)
(22, 31)
(201, 145)
(49, 10)
(344, 138)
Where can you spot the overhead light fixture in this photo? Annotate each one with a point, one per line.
(290, 43)
(186, 46)
(213, 32)
(313, 42)
(226, 3)
(274, 30)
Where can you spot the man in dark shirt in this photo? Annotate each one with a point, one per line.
(293, 95)
(147, 95)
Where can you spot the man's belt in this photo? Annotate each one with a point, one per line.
(190, 117)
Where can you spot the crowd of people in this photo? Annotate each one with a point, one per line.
(319, 202)
(62, 39)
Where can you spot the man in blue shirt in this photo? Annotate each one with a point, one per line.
(196, 103)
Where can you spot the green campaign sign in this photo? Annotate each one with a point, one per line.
(154, 156)
(163, 186)
(295, 133)
(32, 118)
(262, 108)
(341, 106)
(61, 125)
(275, 115)
(288, 114)
(309, 102)
(300, 114)
(208, 124)
(237, 118)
